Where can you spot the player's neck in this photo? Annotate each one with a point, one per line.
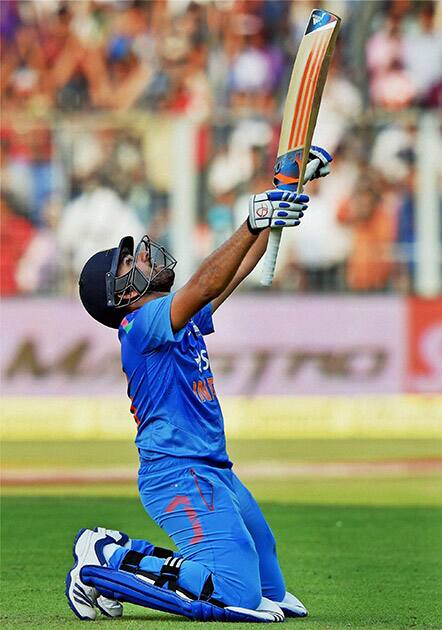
(152, 295)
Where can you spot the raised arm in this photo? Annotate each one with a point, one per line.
(251, 259)
(222, 271)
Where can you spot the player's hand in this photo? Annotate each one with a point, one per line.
(287, 167)
(318, 164)
(275, 209)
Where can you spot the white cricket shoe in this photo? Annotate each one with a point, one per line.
(292, 606)
(88, 550)
(109, 607)
(267, 611)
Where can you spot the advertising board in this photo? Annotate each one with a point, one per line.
(281, 346)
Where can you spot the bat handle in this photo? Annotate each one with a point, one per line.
(273, 245)
(271, 256)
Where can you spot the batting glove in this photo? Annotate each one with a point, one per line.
(318, 164)
(275, 209)
(287, 167)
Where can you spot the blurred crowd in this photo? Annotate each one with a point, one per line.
(88, 92)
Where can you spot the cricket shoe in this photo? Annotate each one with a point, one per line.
(292, 606)
(268, 611)
(109, 607)
(88, 550)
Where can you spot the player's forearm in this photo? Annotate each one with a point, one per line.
(217, 271)
(250, 261)
(254, 255)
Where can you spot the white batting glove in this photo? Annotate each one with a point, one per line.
(275, 209)
(318, 164)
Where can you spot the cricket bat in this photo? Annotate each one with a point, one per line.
(302, 106)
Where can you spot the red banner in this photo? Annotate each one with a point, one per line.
(424, 357)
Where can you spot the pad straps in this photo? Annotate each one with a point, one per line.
(207, 591)
(131, 561)
(169, 573)
(162, 552)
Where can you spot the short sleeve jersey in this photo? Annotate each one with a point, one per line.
(170, 384)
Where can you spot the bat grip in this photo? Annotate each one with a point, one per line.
(273, 245)
(271, 256)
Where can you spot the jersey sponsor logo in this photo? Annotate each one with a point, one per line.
(202, 361)
(204, 390)
(196, 330)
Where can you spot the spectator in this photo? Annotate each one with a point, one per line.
(220, 218)
(318, 252)
(256, 66)
(96, 220)
(223, 64)
(16, 233)
(37, 270)
(391, 143)
(30, 171)
(159, 227)
(341, 108)
(405, 236)
(384, 47)
(393, 88)
(23, 78)
(422, 54)
(369, 265)
(229, 168)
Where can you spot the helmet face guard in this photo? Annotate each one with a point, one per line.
(119, 289)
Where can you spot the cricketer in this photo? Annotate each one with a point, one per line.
(226, 567)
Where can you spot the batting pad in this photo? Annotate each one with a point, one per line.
(128, 587)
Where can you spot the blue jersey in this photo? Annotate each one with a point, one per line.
(170, 384)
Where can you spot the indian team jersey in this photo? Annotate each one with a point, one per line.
(170, 384)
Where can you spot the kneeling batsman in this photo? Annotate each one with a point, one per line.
(109, 567)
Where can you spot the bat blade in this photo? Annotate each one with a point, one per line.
(302, 105)
(308, 80)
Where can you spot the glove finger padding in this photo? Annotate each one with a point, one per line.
(290, 196)
(275, 208)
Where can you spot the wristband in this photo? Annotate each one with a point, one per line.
(254, 231)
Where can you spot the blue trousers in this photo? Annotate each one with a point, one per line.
(217, 526)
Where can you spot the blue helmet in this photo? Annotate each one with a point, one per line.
(105, 295)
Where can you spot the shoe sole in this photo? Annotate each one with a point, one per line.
(69, 578)
(292, 614)
(106, 614)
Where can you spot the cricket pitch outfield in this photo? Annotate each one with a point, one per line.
(357, 522)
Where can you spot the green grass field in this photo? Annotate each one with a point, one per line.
(361, 552)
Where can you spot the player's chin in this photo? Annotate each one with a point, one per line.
(163, 282)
